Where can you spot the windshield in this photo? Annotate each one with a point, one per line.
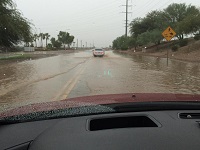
(47, 50)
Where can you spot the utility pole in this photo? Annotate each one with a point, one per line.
(77, 43)
(81, 44)
(127, 12)
(86, 44)
(126, 31)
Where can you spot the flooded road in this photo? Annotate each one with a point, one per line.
(80, 74)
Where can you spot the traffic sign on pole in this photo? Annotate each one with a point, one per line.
(169, 33)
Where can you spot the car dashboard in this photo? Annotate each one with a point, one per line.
(147, 130)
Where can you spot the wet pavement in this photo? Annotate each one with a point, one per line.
(80, 74)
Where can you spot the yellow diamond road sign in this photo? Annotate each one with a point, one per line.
(169, 33)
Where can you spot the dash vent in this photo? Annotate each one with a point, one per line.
(121, 122)
(189, 115)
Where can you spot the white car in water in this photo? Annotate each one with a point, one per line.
(98, 52)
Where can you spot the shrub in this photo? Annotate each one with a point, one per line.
(197, 37)
(174, 48)
(183, 42)
(49, 46)
(18, 48)
(124, 48)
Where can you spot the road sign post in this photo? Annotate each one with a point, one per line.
(168, 34)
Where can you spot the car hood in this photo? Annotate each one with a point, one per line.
(101, 100)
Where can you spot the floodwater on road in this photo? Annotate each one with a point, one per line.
(80, 74)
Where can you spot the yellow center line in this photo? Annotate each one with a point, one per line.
(68, 87)
(72, 84)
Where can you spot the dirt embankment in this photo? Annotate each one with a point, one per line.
(190, 53)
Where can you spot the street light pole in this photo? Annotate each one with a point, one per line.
(77, 43)
(6, 47)
(41, 38)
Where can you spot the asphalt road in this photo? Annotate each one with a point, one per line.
(80, 74)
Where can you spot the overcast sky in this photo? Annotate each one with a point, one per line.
(100, 21)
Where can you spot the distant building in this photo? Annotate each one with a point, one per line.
(29, 49)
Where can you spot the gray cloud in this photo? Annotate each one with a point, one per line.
(100, 21)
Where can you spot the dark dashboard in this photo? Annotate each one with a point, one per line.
(150, 130)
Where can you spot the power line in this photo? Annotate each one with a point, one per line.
(89, 17)
(85, 20)
(148, 9)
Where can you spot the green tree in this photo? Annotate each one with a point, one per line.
(137, 27)
(132, 42)
(56, 43)
(175, 13)
(49, 46)
(28, 41)
(144, 38)
(121, 43)
(70, 40)
(53, 40)
(157, 19)
(153, 20)
(14, 28)
(155, 36)
(65, 38)
(183, 18)
(190, 24)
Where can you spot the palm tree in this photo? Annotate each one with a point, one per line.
(42, 37)
(38, 40)
(47, 36)
(35, 37)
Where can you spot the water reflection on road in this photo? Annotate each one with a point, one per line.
(179, 76)
(34, 81)
(80, 74)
